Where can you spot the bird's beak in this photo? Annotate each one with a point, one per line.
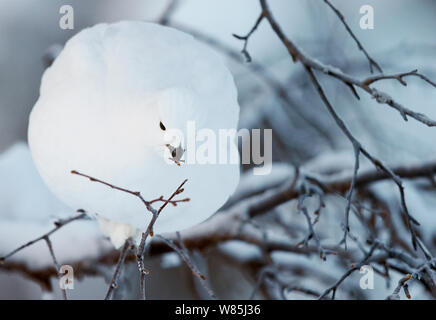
(176, 153)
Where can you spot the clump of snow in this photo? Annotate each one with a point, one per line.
(380, 97)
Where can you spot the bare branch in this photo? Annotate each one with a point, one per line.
(311, 63)
(58, 225)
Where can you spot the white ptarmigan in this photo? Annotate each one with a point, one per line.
(104, 107)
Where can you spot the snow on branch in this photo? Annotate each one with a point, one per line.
(230, 224)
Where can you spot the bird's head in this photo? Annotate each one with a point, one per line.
(158, 121)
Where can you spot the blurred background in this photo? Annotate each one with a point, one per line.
(304, 134)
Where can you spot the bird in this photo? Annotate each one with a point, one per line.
(105, 105)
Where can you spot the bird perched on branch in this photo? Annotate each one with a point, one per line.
(104, 108)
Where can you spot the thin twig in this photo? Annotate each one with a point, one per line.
(247, 36)
(359, 45)
(304, 193)
(56, 264)
(58, 225)
(349, 197)
(114, 282)
(399, 77)
(353, 268)
(183, 253)
(134, 193)
(149, 232)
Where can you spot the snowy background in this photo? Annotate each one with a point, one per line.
(402, 40)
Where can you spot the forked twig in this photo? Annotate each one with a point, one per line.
(149, 231)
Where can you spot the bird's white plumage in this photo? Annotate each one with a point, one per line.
(98, 113)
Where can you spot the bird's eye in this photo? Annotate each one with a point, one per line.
(161, 125)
